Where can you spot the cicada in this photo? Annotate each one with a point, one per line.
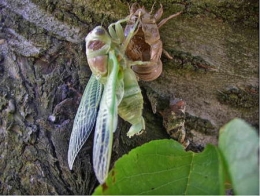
(146, 44)
(112, 89)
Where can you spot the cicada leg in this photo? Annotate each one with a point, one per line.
(166, 19)
(117, 34)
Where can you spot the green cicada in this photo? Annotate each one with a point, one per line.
(112, 89)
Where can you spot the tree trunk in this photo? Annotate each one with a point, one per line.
(43, 72)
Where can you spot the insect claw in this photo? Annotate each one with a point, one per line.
(152, 8)
(167, 54)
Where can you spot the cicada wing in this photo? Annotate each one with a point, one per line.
(106, 123)
(85, 118)
(120, 88)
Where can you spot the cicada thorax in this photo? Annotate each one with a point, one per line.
(98, 64)
(98, 44)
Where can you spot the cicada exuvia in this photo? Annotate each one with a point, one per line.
(112, 89)
(146, 44)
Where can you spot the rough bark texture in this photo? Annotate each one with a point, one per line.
(43, 71)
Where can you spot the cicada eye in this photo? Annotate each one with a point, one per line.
(99, 31)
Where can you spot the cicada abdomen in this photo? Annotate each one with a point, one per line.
(131, 106)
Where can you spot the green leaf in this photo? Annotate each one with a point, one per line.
(163, 167)
(239, 144)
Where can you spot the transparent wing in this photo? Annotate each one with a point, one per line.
(106, 123)
(85, 118)
(120, 88)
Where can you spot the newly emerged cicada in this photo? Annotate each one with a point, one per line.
(112, 89)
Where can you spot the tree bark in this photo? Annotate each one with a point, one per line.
(43, 72)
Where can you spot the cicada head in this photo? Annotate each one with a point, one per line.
(98, 44)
